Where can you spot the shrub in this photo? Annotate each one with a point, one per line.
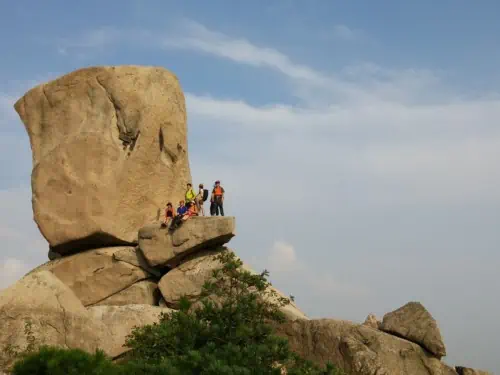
(229, 332)
(56, 361)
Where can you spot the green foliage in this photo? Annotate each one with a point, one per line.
(228, 331)
(55, 361)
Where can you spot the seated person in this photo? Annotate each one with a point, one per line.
(192, 211)
(182, 208)
(169, 214)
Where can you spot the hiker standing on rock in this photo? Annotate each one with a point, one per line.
(190, 195)
(218, 198)
(200, 199)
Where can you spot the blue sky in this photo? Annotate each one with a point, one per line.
(358, 142)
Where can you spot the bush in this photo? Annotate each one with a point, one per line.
(56, 361)
(230, 332)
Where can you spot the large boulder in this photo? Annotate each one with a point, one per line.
(163, 247)
(188, 279)
(359, 349)
(413, 322)
(109, 148)
(55, 316)
(120, 321)
(95, 275)
(144, 292)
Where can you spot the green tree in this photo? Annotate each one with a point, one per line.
(55, 361)
(228, 331)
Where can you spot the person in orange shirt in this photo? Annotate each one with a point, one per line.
(192, 211)
(218, 198)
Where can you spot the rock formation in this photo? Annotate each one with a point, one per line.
(109, 150)
(413, 322)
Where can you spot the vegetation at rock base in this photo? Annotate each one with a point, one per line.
(228, 330)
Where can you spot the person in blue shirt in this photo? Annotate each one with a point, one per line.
(182, 209)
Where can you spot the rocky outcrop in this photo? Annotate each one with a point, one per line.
(414, 323)
(188, 279)
(109, 148)
(144, 292)
(372, 321)
(469, 371)
(56, 315)
(164, 247)
(95, 275)
(360, 350)
(121, 320)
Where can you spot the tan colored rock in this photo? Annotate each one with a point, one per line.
(359, 350)
(161, 246)
(188, 279)
(414, 323)
(133, 256)
(95, 275)
(109, 148)
(57, 316)
(144, 292)
(469, 371)
(372, 321)
(120, 320)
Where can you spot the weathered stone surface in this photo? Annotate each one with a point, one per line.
(413, 322)
(109, 148)
(360, 350)
(372, 321)
(469, 371)
(144, 292)
(57, 316)
(120, 320)
(133, 256)
(94, 275)
(161, 246)
(188, 279)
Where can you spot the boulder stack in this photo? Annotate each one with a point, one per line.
(109, 151)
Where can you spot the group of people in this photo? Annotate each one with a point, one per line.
(192, 205)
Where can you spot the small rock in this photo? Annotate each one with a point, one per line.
(414, 323)
(372, 321)
(469, 371)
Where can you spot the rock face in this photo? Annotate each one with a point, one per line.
(372, 321)
(469, 371)
(360, 350)
(95, 275)
(161, 246)
(120, 320)
(57, 317)
(144, 292)
(414, 323)
(109, 148)
(188, 279)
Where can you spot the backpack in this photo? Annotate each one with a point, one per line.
(205, 195)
